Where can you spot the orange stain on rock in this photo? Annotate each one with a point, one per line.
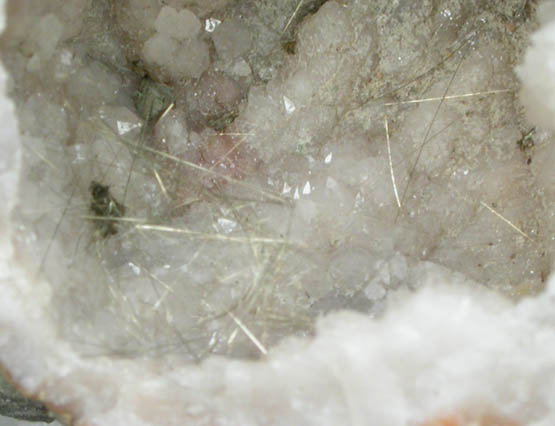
(465, 420)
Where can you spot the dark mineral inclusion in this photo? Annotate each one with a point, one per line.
(15, 405)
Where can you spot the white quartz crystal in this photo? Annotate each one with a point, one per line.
(231, 39)
(190, 59)
(174, 47)
(177, 24)
(539, 92)
(160, 49)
